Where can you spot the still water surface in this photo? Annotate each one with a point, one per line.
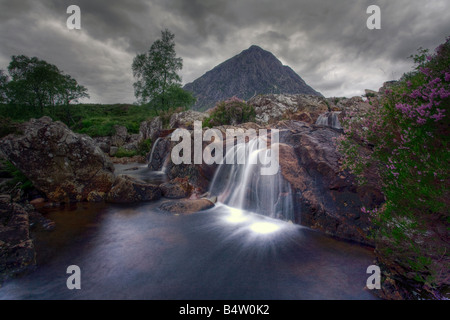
(140, 252)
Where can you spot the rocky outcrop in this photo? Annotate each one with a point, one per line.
(65, 166)
(275, 107)
(160, 151)
(120, 137)
(186, 206)
(329, 119)
(150, 129)
(186, 119)
(176, 189)
(326, 198)
(17, 251)
(131, 190)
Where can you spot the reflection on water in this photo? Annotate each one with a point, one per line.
(139, 252)
(141, 172)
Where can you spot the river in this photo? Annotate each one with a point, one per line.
(139, 252)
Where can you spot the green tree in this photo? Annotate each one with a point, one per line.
(175, 97)
(3, 85)
(37, 83)
(156, 72)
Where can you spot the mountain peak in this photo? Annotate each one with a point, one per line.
(251, 72)
(254, 47)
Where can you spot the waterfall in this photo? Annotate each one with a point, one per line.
(329, 119)
(242, 186)
(158, 155)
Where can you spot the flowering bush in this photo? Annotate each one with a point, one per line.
(405, 138)
(231, 112)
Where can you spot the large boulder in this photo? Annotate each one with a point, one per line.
(128, 190)
(327, 198)
(176, 189)
(17, 251)
(150, 129)
(64, 165)
(160, 151)
(120, 136)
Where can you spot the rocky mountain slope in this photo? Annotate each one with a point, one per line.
(253, 71)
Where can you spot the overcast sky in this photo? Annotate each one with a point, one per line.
(325, 41)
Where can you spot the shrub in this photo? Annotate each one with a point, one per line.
(408, 135)
(144, 147)
(19, 179)
(7, 126)
(124, 153)
(230, 112)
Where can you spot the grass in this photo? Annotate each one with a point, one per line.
(91, 119)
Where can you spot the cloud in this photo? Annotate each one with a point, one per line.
(326, 42)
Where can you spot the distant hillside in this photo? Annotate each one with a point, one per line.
(253, 71)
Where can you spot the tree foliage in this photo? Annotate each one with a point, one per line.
(156, 73)
(35, 82)
(3, 83)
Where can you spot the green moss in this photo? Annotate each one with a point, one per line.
(123, 153)
(19, 179)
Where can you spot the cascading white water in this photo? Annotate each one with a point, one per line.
(153, 149)
(242, 185)
(158, 155)
(329, 119)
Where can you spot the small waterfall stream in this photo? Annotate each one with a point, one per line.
(329, 119)
(158, 155)
(242, 186)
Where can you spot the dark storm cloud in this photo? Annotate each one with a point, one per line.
(325, 42)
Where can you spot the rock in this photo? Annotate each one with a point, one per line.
(129, 190)
(120, 137)
(96, 196)
(150, 129)
(65, 166)
(160, 151)
(186, 119)
(37, 201)
(273, 108)
(330, 119)
(326, 198)
(176, 189)
(125, 160)
(352, 106)
(186, 206)
(17, 251)
(113, 151)
(104, 143)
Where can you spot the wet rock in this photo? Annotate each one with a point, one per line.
(326, 198)
(176, 189)
(37, 201)
(186, 206)
(65, 166)
(160, 152)
(17, 251)
(130, 190)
